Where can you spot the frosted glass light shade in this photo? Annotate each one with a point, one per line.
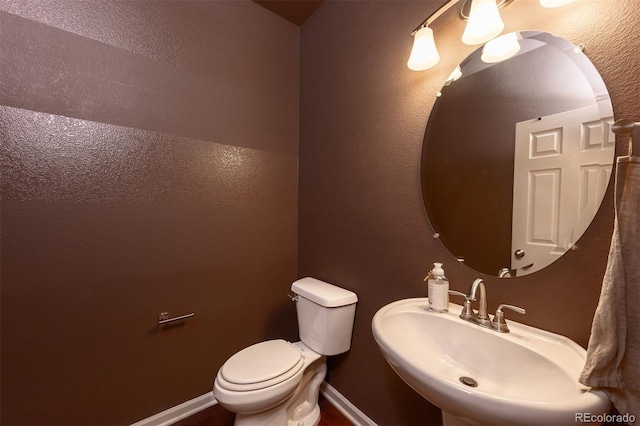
(424, 54)
(500, 48)
(555, 3)
(484, 22)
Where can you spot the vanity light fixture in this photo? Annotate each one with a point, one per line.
(501, 48)
(424, 54)
(483, 24)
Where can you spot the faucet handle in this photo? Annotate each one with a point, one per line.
(499, 323)
(458, 293)
(467, 311)
(512, 307)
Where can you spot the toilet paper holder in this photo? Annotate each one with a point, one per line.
(163, 318)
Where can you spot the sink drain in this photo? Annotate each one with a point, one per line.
(468, 381)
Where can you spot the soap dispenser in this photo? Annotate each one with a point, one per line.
(438, 289)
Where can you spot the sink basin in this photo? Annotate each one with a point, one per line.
(527, 376)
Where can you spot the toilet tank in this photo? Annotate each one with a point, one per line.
(325, 315)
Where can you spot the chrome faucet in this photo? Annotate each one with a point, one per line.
(481, 317)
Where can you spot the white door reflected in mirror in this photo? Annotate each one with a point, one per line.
(562, 166)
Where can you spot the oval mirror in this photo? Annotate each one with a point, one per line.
(517, 154)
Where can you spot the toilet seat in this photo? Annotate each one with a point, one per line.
(259, 366)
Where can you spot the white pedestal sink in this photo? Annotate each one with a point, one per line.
(526, 377)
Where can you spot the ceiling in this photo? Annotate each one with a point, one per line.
(295, 11)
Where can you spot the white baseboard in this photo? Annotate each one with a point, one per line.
(191, 407)
(179, 412)
(345, 406)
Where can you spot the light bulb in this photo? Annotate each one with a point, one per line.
(424, 54)
(500, 48)
(484, 22)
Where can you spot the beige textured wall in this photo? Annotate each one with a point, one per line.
(362, 223)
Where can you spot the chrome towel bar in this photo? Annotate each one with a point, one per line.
(163, 318)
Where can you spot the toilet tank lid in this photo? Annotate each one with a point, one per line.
(322, 293)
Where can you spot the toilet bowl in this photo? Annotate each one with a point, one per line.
(274, 391)
(277, 382)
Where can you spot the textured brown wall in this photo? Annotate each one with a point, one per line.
(149, 163)
(362, 223)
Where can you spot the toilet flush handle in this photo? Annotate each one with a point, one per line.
(293, 298)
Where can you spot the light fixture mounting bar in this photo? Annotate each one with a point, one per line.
(435, 15)
(464, 11)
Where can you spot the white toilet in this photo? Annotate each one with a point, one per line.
(276, 382)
